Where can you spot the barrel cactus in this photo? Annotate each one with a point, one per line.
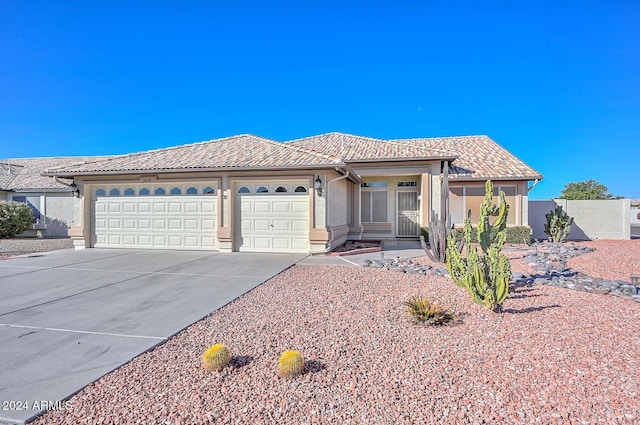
(558, 224)
(216, 358)
(291, 364)
(486, 277)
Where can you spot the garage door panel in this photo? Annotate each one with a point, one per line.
(169, 222)
(281, 207)
(262, 207)
(261, 225)
(299, 226)
(281, 225)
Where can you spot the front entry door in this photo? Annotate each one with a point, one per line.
(407, 214)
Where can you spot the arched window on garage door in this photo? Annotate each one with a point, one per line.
(301, 189)
(176, 191)
(159, 191)
(100, 192)
(244, 189)
(192, 191)
(114, 192)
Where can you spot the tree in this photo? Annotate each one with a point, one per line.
(588, 189)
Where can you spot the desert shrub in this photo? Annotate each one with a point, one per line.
(217, 357)
(515, 234)
(427, 312)
(290, 364)
(15, 218)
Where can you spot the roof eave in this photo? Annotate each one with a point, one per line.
(428, 158)
(193, 170)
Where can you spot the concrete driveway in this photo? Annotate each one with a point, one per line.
(69, 317)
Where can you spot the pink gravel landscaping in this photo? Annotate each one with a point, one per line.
(553, 356)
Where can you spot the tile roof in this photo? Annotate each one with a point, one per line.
(352, 148)
(244, 151)
(479, 157)
(475, 157)
(25, 174)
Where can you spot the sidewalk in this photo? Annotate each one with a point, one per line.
(392, 249)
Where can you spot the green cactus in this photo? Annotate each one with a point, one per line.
(216, 358)
(558, 224)
(486, 277)
(290, 364)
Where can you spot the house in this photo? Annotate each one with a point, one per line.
(51, 200)
(249, 193)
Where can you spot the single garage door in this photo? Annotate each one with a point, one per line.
(272, 217)
(155, 216)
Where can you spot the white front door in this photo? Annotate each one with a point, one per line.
(154, 216)
(408, 210)
(272, 217)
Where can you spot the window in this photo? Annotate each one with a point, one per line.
(244, 189)
(373, 206)
(192, 191)
(407, 184)
(463, 199)
(100, 192)
(262, 189)
(144, 191)
(301, 189)
(33, 202)
(281, 189)
(208, 190)
(114, 192)
(129, 192)
(176, 191)
(159, 191)
(375, 184)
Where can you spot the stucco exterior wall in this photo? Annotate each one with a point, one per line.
(60, 213)
(337, 196)
(592, 219)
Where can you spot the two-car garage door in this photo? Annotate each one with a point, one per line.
(268, 217)
(155, 216)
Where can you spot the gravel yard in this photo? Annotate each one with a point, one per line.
(12, 247)
(553, 356)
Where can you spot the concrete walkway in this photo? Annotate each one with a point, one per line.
(392, 249)
(69, 317)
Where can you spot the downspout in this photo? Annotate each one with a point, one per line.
(342, 177)
(535, 183)
(55, 178)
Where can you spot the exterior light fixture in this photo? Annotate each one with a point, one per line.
(74, 189)
(317, 185)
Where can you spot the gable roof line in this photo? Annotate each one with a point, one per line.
(305, 150)
(134, 154)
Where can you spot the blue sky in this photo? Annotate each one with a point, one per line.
(556, 83)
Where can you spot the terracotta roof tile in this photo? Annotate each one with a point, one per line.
(25, 174)
(244, 151)
(353, 148)
(479, 157)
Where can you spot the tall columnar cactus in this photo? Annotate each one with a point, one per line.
(558, 224)
(486, 277)
(290, 364)
(216, 358)
(438, 235)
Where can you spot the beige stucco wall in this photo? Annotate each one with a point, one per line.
(592, 219)
(60, 212)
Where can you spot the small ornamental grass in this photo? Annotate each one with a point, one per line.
(424, 311)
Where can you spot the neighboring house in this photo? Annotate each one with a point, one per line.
(50, 200)
(248, 193)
